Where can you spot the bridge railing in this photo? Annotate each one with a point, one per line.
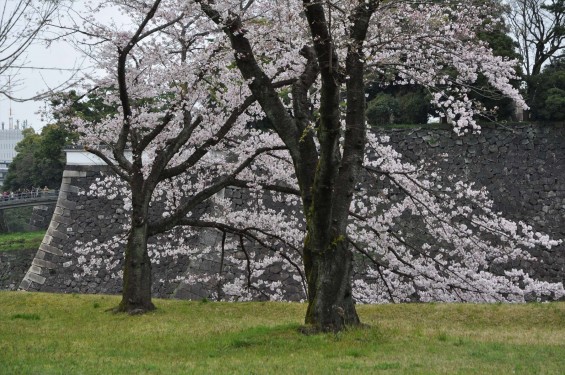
(29, 195)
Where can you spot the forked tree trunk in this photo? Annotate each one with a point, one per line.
(136, 294)
(326, 196)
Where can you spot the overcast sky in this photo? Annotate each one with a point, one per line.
(33, 81)
(43, 69)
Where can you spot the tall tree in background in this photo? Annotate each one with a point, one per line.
(539, 28)
(89, 107)
(20, 172)
(549, 102)
(408, 104)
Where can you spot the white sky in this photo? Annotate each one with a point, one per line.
(34, 81)
(59, 62)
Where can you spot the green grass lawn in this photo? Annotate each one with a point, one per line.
(21, 240)
(73, 334)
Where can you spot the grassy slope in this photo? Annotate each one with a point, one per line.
(64, 334)
(21, 241)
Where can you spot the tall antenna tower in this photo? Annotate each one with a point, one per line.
(11, 118)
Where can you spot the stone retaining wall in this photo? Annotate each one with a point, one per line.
(523, 166)
(13, 267)
(41, 217)
(79, 219)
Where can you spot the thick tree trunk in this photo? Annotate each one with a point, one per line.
(330, 303)
(326, 181)
(327, 258)
(136, 295)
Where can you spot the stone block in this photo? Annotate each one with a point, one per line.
(67, 173)
(66, 204)
(35, 269)
(25, 284)
(70, 189)
(43, 263)
(50, 249)
(35, 278)
(63, 220)
(471, 141)
(58, 234)
(47, 239)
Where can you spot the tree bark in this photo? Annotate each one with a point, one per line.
(136, 294)
(328, 272)
(328, 260)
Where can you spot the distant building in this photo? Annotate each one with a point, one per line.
(9, 136)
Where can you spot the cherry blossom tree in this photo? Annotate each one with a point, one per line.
(174, 112)
(189, 78)
(323, 126)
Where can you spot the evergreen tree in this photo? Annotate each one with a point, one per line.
(548, 103)
(39, 161)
